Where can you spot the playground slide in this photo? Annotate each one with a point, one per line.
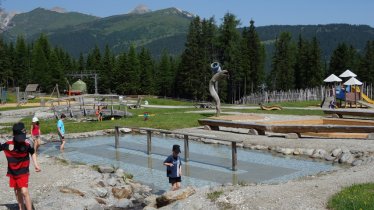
(365, 97)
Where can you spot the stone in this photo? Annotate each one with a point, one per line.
(125, 130)
(106, 169)
(101, 201)
(357, 162)
(308, 152)
(111, 181)
(329, 158)
(124, 192)
(345, 157)
(288, 151)
(120, 173)
(252, 131)
(124, 204)
(336, 152)
(95, 206)
(101, 192)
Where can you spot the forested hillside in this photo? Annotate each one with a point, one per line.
(168, 53)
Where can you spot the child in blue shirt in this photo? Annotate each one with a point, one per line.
(173, 165)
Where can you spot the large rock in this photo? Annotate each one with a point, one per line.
(336, 152)
(106, 169)
(124, 204)
(124, 192)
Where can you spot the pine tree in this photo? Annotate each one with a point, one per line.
(317, 73)
(282, 74)
(147, 80)
(106, 71)
(132, 75)
(229, 55)
(188, 77)
(341, 60)
(22, 63)
(253, 60)
(366, 71)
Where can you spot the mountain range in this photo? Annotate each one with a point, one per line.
(156, 30)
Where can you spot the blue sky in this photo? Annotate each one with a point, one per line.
(263, 12)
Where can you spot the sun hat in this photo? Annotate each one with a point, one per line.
(19, 132)
(35, 119)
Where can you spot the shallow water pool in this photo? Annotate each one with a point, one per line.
(209, 164)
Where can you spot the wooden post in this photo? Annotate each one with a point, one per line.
(186, 149)
(234, 156)
(149, 142)
(116, 136)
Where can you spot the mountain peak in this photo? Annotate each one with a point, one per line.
(58, 9)
(140, 9)
(174, 10)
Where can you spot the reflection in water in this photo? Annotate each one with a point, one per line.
(234, 178)
(150, 161)
(186, 171)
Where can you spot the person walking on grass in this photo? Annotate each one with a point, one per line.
(61, 130)
(173, 165)
(35, 133)
(18, 157)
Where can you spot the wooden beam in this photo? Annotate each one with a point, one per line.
(234, 156)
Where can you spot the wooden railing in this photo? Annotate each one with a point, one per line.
(186, 143)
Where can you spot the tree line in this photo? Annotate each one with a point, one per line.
(296, 64)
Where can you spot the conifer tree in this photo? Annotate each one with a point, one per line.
(229, 54)
(132, 75)
(282, 74)
(147, 80)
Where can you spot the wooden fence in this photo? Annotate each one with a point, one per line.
(309, 94)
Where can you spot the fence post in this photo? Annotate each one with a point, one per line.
(186, 149)
(116, 136)
(234, 156)
(149, 142)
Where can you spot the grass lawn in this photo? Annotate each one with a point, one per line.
(358, 196)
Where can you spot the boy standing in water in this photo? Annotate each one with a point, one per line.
(61, 130)
(173, 165)
(18, 165)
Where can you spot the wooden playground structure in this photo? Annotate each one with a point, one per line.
(325, 127)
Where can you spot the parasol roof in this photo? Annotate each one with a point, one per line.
(348, 73)
(353, 81)
(332, 78)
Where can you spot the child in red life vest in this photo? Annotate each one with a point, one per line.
(18, 165)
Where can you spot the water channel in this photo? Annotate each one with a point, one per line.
(209, 164)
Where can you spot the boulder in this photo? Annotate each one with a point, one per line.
(111, 181)
(124, 204)
(106, 169)
(101, 192)
(336, 152)
(120, 193)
